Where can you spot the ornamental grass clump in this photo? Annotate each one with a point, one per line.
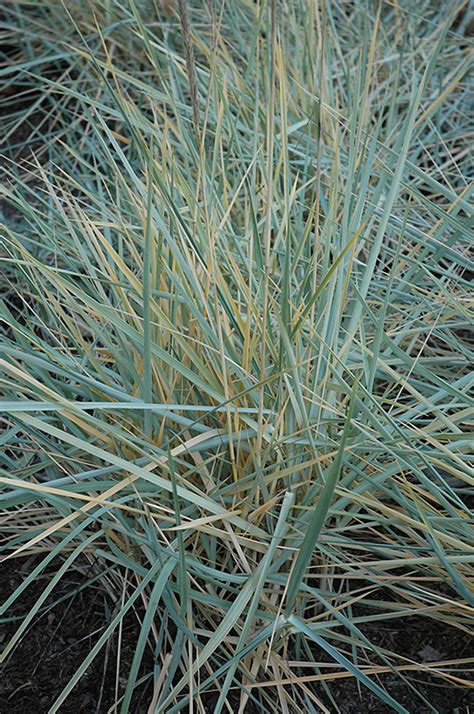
(235, 315)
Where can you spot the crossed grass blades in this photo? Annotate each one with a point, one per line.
(235, 335)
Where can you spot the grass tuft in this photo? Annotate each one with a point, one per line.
(235, 335)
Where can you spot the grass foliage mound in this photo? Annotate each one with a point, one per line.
(234, 316)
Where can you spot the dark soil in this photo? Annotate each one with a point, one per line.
(77, 612)
(420, 640)
(60, 638)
